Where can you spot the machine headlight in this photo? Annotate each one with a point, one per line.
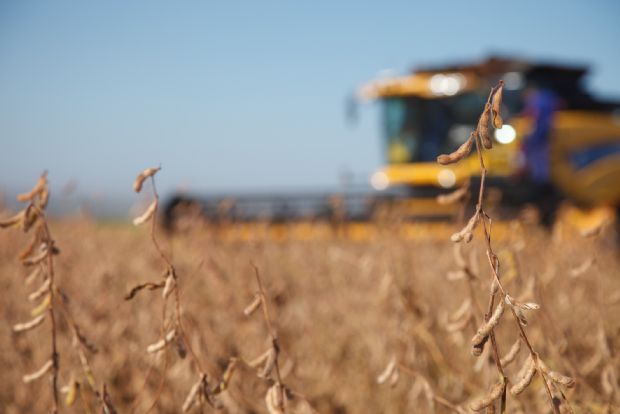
(446, 178)
(447, 84)
(506, 134)
(379, 181)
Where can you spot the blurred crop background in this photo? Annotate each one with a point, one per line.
(234, 96)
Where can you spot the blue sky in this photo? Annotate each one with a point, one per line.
(243, 95)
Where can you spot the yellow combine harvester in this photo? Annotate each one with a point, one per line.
(432, 111)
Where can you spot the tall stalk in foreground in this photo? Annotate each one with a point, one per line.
(52, 302)
(495, 310)
(172, 330)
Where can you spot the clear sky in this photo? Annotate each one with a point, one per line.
(230, 95)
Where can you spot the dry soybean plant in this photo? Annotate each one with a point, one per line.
(172, 330)
(275, 396)
(391, 374)
(51, 303)
(422, 344)
(499, 299)
(279, 398)
(267, 365)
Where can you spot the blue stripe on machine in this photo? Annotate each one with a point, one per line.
(585, 157)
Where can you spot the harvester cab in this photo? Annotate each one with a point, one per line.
(433, 110)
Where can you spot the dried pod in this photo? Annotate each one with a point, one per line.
(274, 399)
(460, 318)
(454, 196)
(149, 172)
(88, 372)
(494, 394)
(488, 326)
(521, 305)
(512, 353)
(466, 233)
(44, 288)
(42, 307)
(193, 394)
(582, 268)
(270, 363)
(31, 324)
(455, 275)
(44, 197)
(32, 276)
(529, 305)
(251, 308)
(561, 379)
(37, 258)
(477, 349)
(227, 375)
(161, 344)
(150, 211)
(483, 127)
(458, 325)
(28, 250)
(39, 186)
(168, 286)
(527, 373)
(593, 230)
(71, 391)
(462, 311)
(39, 373)
(555, 376)
(498, 122)
(260, 359)
(30, 218)
(16, 220)
(148, 285)
(459, 154)
(388, 371)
